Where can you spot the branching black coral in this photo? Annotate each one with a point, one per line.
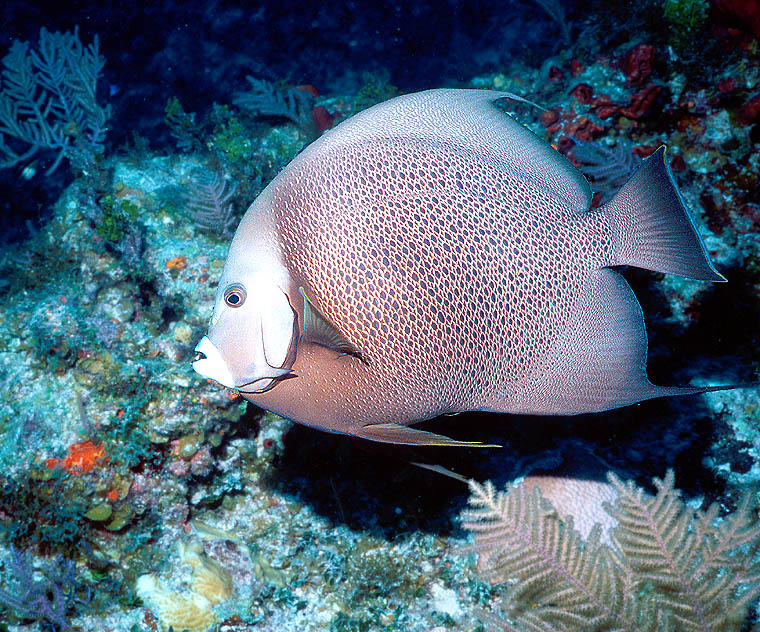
(266, 99)
(666, 569)
(706, 574)
(609, 167)
(210, 207)
(560, 581)
(48, 101)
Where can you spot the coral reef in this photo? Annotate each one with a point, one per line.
(192, 613)
(119, 464)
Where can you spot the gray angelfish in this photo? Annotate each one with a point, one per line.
(431, 255)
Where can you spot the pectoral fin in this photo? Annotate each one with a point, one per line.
(396, 433)
(320, 330)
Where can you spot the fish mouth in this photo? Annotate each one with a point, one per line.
(209, 363)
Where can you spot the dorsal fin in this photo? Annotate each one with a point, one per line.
(470, 120)
(320, 330)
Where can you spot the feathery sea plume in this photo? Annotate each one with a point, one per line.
(666, 568)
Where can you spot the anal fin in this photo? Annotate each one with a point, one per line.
(600, 361)
(439, 469)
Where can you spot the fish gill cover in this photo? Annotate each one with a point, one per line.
(136, 496)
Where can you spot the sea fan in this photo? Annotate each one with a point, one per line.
(47, 596)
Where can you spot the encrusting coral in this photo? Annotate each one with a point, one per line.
(211, 584)
(180, 612)
(210, 579)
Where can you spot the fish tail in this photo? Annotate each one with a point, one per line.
(651, 227)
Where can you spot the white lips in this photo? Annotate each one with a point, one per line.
(212, 365)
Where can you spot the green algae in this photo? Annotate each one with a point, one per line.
(100, 512)
(686, 19)
(44, 508)
(230, 138)
(117, 218)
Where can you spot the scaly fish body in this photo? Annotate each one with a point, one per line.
(430, 255)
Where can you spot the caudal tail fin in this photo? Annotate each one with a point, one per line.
(652, 228)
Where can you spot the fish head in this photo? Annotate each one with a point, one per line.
(252, 336)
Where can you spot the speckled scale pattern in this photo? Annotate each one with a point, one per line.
(454, 275)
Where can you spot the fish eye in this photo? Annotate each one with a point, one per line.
(234, 295)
